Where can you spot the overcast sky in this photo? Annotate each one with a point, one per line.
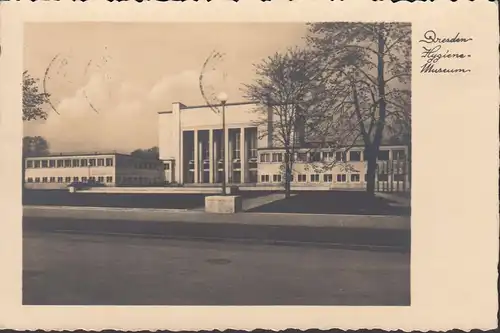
(129, 72)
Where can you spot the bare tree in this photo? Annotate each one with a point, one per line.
(295, 113)
(372, 61)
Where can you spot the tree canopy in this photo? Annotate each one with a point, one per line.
(33, 99)
(150, 153)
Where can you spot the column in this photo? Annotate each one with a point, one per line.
(217, 155)
(211, 155)
(201, 168)
(226, 154)
(243, 155)
(196, 159)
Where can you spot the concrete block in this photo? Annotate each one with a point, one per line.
(225, 204)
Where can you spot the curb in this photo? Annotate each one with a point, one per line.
(140, 215)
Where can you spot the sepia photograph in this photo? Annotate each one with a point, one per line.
(217, 163)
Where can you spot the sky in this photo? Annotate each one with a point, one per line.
(108, 81)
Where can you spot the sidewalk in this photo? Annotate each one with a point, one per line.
(394, 197)
(200, 217)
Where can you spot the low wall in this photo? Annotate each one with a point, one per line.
(45, 186)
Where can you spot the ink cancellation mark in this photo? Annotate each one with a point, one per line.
(437, 50)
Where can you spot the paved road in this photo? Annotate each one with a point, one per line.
(340, 236)
(75, 269)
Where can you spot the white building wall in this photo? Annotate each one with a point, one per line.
(54, 173)
(60, 177)
(204, 118)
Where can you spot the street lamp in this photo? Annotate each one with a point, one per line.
(223, 100)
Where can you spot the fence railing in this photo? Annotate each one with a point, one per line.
(392, 176)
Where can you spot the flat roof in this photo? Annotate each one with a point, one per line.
(87, 154)
(184, 107)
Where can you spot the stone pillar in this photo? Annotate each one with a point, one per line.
(211, 157)
(196, 157)
(227, 155)
(216, 156)
(243, 155)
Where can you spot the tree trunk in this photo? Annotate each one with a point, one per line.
(372, 168)
(409, 165)
(287, 175)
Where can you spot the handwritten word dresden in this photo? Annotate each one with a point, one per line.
(436, 50)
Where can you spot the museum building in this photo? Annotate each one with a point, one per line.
(190, 145)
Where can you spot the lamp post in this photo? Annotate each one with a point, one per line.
(223, 100)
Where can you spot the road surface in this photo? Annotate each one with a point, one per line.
(78, 269)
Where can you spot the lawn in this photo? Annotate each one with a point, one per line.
(334, 202)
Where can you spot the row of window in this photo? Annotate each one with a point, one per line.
(81, 162)
(107, 179)
(100, 179)
(354, 156)
(328, 178)
(69, 163)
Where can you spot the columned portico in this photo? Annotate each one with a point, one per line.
(203, 155)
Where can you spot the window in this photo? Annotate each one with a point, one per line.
(59, 179)
(52, 179)
(100, 179)
(92, 162)
(236, 150)
(383, 155)
(92, 179)
(37, 179)
(277, 157)
(398, 155)
(75, 179)
(167, 166)
(67, 179)
(302, 178)
(316, 157)
(100, 162)
(383, 177)
(341, 178)
(84, 162)
(355, 178)
(30, 180)
(277, 178)
(327, 178)
(314, 178)
(76, 163)
(84, 179)
(399, 177)
(264, 178)
(52, 163)
(44, 179)
(355, 156)
(67, 163)
(60, 163)
(45, 163)
(109, 162)
(340, 156)
(29, 164)
(264, 157)
(109, 179)
(301, 157)
(253, 152)
(328, 155)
